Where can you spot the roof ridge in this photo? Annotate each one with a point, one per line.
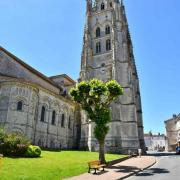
(30, 68)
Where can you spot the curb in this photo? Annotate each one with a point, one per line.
(140, 170)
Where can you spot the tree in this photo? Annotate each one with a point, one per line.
(95, 97)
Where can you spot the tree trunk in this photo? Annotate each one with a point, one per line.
(101, 152)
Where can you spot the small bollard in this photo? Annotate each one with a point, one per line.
(140, 152)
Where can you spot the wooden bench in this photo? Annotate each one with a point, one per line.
(96, 165)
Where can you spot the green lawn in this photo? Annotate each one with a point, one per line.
(51, 166)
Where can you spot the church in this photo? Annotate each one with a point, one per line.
(40, 107)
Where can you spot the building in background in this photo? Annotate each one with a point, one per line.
(178, 129)
(173, 132)
(155, 142)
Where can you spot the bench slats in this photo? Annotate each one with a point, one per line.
(95, 165)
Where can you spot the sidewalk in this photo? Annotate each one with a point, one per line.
(120, 170)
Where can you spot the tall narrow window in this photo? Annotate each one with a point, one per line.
(52, 144)
(53, 118)
(69, 123)
(108, 45)
(102, 6)
(108, 30)
(98, 47)
(98, 32)
(43, 112)
(110, 4)
(19, 106)
(62, 120)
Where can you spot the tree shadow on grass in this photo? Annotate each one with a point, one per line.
(23, 157)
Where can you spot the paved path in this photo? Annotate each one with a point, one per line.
(120, 170)
(166, 168)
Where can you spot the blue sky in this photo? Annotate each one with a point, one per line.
(47, 34)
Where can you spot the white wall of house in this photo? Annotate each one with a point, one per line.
(155, 142)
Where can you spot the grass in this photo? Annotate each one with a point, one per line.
(51, 165)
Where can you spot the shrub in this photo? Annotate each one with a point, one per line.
(2, 135)
(33, 151)
(14, 144)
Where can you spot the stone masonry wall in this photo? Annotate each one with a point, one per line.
(28, 120)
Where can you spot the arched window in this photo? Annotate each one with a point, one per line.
(43, 112)
(98, 32)
(108, 45)
(62, 120)
(98, 47)
(69, 123)
(19, 106)
(53, 117)
(108, 29)
(102, 6)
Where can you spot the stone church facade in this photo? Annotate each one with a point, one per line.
(36, 105)
(39, 106)
(108, 54)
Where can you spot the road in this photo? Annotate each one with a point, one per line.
(166, 168)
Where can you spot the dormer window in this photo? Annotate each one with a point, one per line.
(102, 6)
(98, 32)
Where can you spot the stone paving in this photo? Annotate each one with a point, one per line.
(120, 170)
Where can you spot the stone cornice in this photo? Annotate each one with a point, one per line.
(36, 87)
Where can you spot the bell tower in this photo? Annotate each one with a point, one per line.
(108, 54)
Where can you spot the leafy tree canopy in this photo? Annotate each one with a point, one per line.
(95, 97)
(95, 94)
